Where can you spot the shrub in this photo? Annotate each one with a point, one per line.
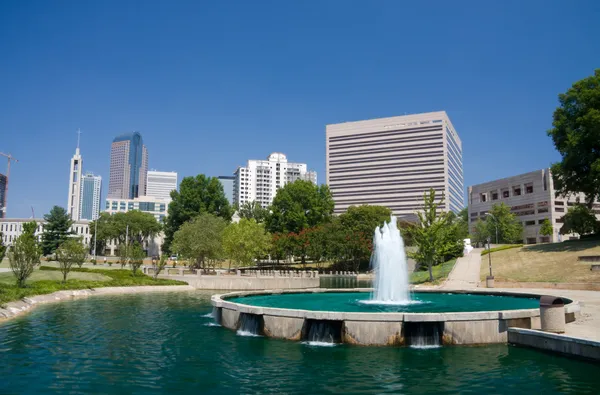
(506, 247)
(93, 261)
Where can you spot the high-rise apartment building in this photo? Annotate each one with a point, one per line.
(91, 188)
(160, 184)
(392, 161)
(128, 167)
(260, 180)
(74, 202)
(3, 181)
(227, 182)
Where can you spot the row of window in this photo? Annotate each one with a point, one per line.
(505, 193)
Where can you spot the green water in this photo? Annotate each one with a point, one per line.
(160, 344)
(422, 302)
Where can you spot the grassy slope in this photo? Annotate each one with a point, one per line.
(440, 272)
(555, 262)
(88, 278)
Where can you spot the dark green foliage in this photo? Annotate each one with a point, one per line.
(546, 229)
(253, 210)
(300, 205)
(56, 229)
(579, 219)
(196, 195)
(24, 255)
(510, 229)
(136, 257)
(576, 136)
(2, 247)
(70, 253)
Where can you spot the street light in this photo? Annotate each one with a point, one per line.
(490, 256)
(495, 223)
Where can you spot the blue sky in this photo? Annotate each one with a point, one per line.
(212, 84)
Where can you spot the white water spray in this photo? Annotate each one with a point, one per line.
(389, 262)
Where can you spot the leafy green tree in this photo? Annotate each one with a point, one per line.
(105, 230)
(245, 241)
(510, 229)
(480, 233)
(253, 210)
(200, 240)
(2, 247)
(71, 252)
(159, 264)
(579, 219)
(364, 219)
(24, 255)
(576, 136)
(196, 195)
(56, 229)
(461, 220)
(431, 235)
(546, 229)
(300, 205)
(136, 256)
(280, 246)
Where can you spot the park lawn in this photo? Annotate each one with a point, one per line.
(87, 278)
(440, 272)
(41, 275)
(552, 262)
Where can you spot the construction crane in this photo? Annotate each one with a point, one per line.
(10, 157)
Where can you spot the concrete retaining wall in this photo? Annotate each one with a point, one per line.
(230, 283)
(533, 285)
(563, 344)
(383, 329)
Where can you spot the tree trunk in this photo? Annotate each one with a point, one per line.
(65, 276)
(430, 272)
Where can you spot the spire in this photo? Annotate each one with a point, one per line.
(78, 137)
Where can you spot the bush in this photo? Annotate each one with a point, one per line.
(506, 247)
(110, 263)
(93, 261)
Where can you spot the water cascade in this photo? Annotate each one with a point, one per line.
(215, 314)
(389, 262)
(250, 325)
(322, 333)
(423, 334)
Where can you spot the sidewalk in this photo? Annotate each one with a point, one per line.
(465, 274)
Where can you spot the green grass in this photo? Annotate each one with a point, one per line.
(440, 272)
(78, 279)
(505, 247)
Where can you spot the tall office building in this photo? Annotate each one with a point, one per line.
(128, 167)
(91, 188)
(74, 202)
(392, 161)
(261, 179)
(227, 182)
(3, 182)
(160, 184)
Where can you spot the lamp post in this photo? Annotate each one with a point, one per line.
(489, 281)
(495, 224)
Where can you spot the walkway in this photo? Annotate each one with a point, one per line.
(465, 274)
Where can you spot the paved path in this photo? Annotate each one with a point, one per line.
(4, 269)
(465, 274)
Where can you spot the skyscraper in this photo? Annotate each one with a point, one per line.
(91, 188)
(261, 179)
(3, 181)
(128, 167)
(160, 184)
(392, 161)
(73, 204)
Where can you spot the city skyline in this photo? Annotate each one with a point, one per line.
(215, 104)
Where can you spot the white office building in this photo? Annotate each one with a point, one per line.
(11, 228)
(260, 179)
(159, 184)
(91, 188)
(393, 161)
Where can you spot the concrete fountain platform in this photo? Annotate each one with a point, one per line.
(385, 329)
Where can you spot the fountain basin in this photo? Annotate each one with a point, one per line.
(386, 327)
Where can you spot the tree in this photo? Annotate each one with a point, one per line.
(480, 233)
(431, 235)
(159, 264)
(576, 136)
(510, 229)
(579, 219)
(104, 229)
(199, 240)
(2, 247)
(136, 257)
(244, 241)
(364, 219)
(24, 254)
(56, 229)
(71, 252)
(253, 210)
(299, 205)
(546, 229)
(196, 195)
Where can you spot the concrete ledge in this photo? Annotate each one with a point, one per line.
(478, 327)
(535, 285)
(568, 345)
(16, 308)
(247, 283)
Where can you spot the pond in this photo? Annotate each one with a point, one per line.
(167, 343)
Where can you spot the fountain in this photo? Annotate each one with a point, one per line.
(389, 262)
